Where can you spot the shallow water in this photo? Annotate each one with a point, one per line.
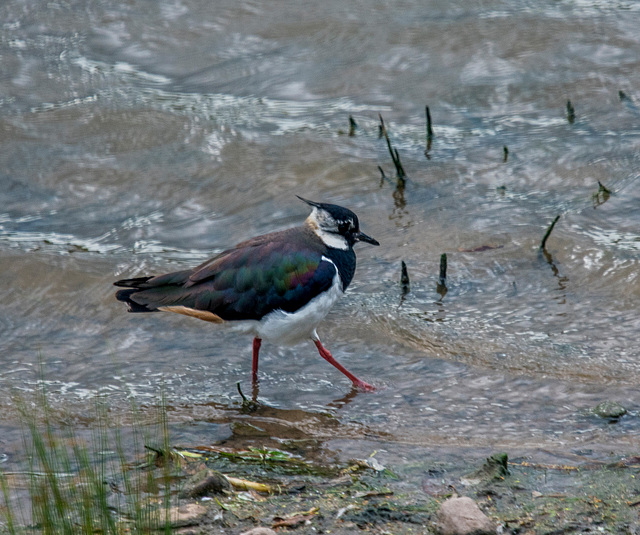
(144, 137)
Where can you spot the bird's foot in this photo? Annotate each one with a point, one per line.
(363, 387)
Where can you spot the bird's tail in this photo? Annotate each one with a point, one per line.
(133, 286)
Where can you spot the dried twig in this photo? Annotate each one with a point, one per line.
(546, 234)
(245, 484)
(603, 189)
(352, 126)
(441, 287)
(429, 127)
(393, 152)
(443, 269)
(571, 112)
(427, 113)
(404, 278)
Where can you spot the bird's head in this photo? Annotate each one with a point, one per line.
(336, 226)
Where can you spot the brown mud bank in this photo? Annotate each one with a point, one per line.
(302, 472)
(538, 493)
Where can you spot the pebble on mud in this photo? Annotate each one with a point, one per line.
(462, 516)
(184, 515)
(259, 531)
(205, 483)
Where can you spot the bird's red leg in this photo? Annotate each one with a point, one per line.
(257, 342)
(324, 353)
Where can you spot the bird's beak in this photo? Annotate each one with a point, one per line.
(361, 236)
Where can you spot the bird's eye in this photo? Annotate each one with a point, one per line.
(343, 228)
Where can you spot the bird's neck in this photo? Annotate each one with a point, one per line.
(345, 262)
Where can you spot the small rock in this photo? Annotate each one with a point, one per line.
(609, 409)
(184, 515)
(259, 531)
(204, 483)
(462, 516)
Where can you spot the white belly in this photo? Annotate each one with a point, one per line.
(291, 328)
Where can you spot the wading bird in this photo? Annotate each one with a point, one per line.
(277, 287)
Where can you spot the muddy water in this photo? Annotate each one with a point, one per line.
(143, 137)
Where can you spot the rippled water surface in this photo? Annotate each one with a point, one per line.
(145, 136)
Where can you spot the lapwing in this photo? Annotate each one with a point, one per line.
(277, 287)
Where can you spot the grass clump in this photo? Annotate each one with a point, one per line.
(78, 480)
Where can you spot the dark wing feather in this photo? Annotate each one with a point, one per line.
(247, 282)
